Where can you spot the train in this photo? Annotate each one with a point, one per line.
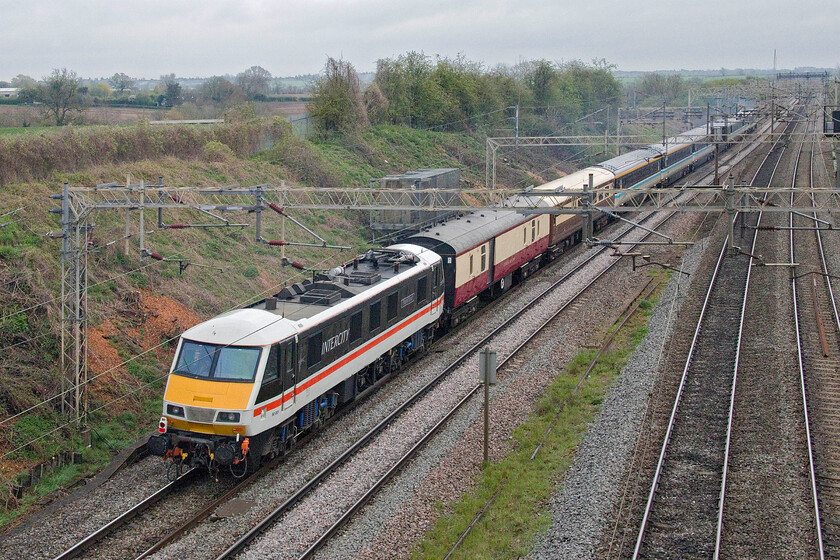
(249, 383)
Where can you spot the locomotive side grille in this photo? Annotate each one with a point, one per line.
(196, 414)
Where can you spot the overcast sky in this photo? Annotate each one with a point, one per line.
(201, 38)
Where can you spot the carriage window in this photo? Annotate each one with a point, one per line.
(392, 306)
(483, 258)
(471, 264)
(375, 315)
(524, 235)
(313, 350)
(422, 289)
(356, 327)
(533, 230)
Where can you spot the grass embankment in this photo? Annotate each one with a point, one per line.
(522, 486)
(227, 267)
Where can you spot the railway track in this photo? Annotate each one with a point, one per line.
(766, 506)
(818, 337)
(683, 513)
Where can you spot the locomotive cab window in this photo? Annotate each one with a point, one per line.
(226, 363)
(272, 367)
(356, 326)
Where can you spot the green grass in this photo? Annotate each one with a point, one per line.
(21, 130)
(523, 486)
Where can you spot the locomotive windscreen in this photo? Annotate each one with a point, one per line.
(223, 363)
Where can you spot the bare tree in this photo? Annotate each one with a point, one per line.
(254, 81)
(59, 93)
(121, 82)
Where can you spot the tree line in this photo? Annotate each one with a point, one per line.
(419, 91)
(62, 94)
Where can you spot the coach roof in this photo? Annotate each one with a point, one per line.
(470, 230)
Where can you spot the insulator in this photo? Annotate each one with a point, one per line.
(297, 265)
(276, 208)
(177, 226)
(156, 256)
(276, 243)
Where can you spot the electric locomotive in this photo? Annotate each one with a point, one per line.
(248, 383)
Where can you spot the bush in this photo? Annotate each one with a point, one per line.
(215, 151)
(250, 271)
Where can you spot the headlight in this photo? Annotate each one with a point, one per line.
(175, 410)
(227, 417)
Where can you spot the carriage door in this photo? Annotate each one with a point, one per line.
(287, 370)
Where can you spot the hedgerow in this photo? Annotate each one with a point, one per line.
(32, 157)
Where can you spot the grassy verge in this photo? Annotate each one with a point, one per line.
(19, 130)
(521, 486)
(110, 433)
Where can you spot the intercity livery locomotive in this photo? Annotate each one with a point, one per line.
(250, 382)
(247, 383)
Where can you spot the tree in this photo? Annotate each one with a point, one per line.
(254, 81)
(59, 93)
(23, 81)
(337, 104)
(172, 94)
(121, 82)
(220, 91)
(541, 79)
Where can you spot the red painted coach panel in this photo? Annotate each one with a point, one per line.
(520, 258)
(469, 289)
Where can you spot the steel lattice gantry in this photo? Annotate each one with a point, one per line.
(252, 199)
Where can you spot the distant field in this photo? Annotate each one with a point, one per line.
(13, 116)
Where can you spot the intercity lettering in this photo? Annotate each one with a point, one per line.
(335, 341)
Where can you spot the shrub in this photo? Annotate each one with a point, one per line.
(215, 151)
(250, 271)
